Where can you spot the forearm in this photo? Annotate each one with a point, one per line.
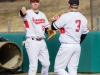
(52, 26)
(46, 30)
(23, 12)
(83, 37)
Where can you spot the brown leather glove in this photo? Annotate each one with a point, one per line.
(51, 33)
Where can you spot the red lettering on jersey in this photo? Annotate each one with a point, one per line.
(26, 24)
(62, 30)
(38, 21)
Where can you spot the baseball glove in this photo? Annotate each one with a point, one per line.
(51, 33)
(56, 17)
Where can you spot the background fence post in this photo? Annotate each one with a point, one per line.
(98, 23)
(91, 14)
(8, 26)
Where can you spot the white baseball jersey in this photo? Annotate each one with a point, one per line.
(35, 24)
(71, 28)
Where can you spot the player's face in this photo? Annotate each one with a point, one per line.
(35, 5)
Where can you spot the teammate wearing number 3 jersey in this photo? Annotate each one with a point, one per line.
(73, 30)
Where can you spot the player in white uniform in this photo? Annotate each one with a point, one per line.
(36, 24)
(73, 30)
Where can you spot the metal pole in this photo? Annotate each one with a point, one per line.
(8, 26)
(98, 23)
(91, 13)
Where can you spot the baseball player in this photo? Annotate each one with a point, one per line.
(36, 24)
(73, 30)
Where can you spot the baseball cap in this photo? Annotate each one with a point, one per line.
(33, 1)
(74, 2)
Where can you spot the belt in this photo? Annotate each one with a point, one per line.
(38, 39)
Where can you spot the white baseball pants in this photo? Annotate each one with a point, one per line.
(67, 56)
(37, 50)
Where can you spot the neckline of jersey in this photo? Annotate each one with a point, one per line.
(73, 11)
(35, 12)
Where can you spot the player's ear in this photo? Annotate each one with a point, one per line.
(68, 3)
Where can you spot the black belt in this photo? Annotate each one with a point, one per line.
(38, 39)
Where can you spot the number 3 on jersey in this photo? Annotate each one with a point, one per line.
(78, 22)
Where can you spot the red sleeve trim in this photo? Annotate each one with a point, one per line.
(26, 24)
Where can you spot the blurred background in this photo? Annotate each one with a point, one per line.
(11, 22)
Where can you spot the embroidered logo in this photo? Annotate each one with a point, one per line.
(38, 21)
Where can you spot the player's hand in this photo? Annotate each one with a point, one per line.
(23, 43)
(56, 17)
(23, 10)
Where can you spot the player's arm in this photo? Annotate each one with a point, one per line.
(54, 19)
(46, 30)
(23, 12)
(83, 37)
(58, 22)
(52, 25)
(85, 32)
(47, 25)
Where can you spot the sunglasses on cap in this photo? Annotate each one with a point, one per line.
(33, 1)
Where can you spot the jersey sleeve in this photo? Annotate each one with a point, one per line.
(60, 22)
(25, 17)
(46, 22)
(86, 30)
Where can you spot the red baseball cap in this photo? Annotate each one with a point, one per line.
(32, 1)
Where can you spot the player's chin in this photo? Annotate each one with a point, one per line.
(35, 7)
